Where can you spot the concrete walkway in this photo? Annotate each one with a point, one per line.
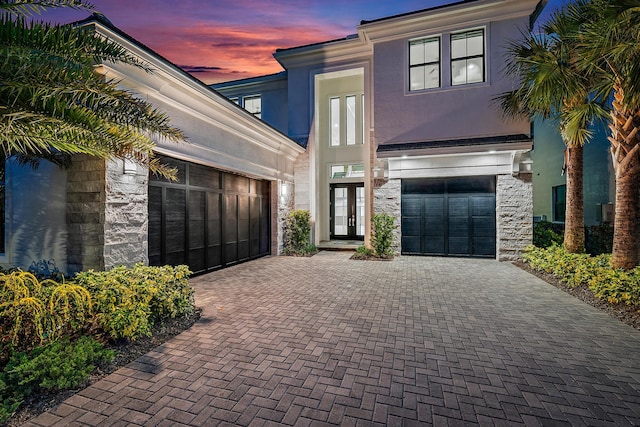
(416, 341)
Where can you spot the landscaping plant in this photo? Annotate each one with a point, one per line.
(298, 233)
(382, 236)
(617, 286)
(128, 301)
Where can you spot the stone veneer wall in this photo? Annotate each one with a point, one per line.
(107, 215)
(386, 199)
(85, 214)
(126, 216)
(514, 215)
(285, 203)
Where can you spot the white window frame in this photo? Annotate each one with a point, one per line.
(258, 96)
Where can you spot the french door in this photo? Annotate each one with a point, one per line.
(347, 211)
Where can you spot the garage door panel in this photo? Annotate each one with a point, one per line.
(155, 225)
(209, 220)
(174, 221)
(459, 245)
(483, 227)
(411, 226)
(483, 206)
(412, 207)
(434, 245)
(459, 226)
(411, 244)
(458, 221)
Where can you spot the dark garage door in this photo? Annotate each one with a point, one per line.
(453, 216)
(208, 219)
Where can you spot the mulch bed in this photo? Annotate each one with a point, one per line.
(126, 352)
(363, 257)
(625, 313)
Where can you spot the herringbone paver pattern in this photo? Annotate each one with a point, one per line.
(416, 341)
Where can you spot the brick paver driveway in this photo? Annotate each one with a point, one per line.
(326, 340)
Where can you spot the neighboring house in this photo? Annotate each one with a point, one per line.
(399, 118)
(234, 174)
(549, 183)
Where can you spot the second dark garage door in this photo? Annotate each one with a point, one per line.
(208, 219)
(453, 216)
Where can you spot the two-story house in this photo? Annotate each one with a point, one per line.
(400, 118)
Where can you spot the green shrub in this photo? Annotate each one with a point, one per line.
(599, 239)
(546, 234)
(298, 233)
(614, 286)
(364, 251)
(34, 312)
(57, 366)
(128, 301)
(382, 236)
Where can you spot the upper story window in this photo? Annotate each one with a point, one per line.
(346, 122)
(467, 57)
(424, 63)
(235, 99)
(253, 104)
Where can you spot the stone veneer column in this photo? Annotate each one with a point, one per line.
(126, 215)
(107, 215)
(514, 215)
(282, 197)
(386, 199)
(85, 214)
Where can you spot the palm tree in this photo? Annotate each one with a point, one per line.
(609, 42)
(552, 88)
(53, 102)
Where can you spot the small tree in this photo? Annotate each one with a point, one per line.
(382, 236)
(298, 233)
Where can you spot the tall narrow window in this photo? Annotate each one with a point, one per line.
(351, 119)
(253, 104)
(362, 115)
(559, 194)
(467, 57)
(334, 113)
(424, 63)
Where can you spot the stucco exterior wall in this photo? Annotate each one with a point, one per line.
(448, 112)
(35, 216)
(547, 156)
(514, 215)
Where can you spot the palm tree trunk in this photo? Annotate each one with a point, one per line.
(625, 252)
(624, 149)
(574, 211)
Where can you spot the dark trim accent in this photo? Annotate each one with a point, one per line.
(404, 146)
(430, 9)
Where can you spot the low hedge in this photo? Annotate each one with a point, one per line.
(613, 285)
(46, 326)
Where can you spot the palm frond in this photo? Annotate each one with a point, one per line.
(33, 7)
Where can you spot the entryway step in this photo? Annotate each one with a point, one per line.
(339, 245)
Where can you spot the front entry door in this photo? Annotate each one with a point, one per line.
(347, 211)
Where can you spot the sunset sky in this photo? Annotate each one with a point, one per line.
(219, 40)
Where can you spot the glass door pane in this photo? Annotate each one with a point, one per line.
(341, 212)
(360, 211)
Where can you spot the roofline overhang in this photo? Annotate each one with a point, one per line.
(446, 17)
(459, 146)
(270, 136)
